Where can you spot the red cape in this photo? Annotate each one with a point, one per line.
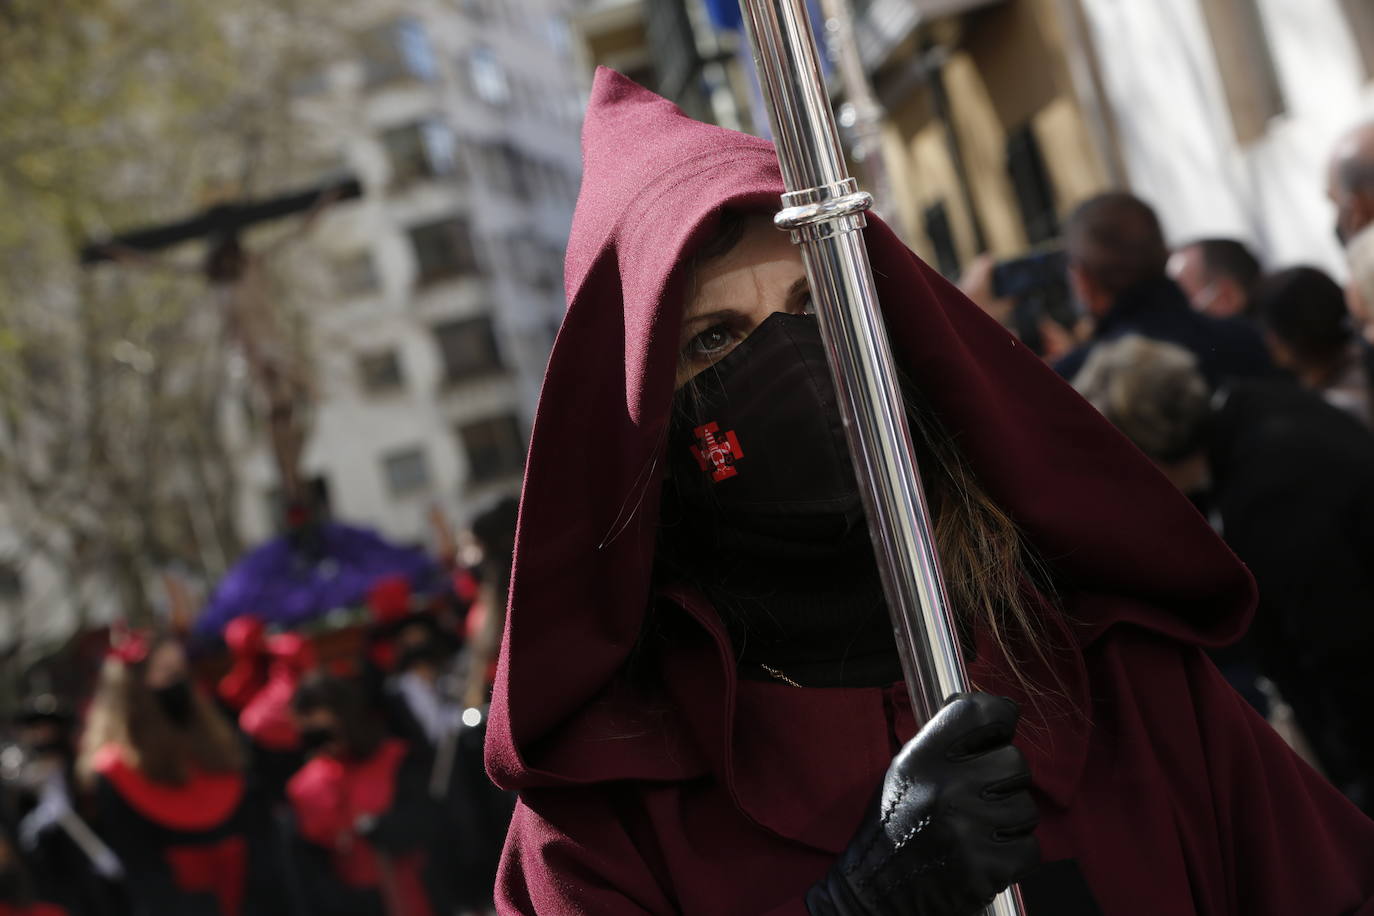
(203, 802)
(730, 797)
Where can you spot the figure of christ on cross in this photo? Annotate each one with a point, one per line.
(239, 281)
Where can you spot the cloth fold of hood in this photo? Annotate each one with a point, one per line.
(1123, 546)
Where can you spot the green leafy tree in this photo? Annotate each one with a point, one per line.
(117, 389)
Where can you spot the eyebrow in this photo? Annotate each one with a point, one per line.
(799, 286)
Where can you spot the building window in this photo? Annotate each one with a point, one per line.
(397, 51)
(1246, 65)
(1030, 180)
(548, 180)
(417, 151)
(494, 447)
(936, 219)
(468, 348)
(11, 581)
(406, 471)
(1360, 14)
(380, 372)
(507, 169)
(355, 275)
(488, 77)
(558, 35)
(538, 263)
(443, 250)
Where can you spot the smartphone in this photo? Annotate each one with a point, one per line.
(1037, 273)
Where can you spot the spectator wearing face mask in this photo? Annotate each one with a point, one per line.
(166, 772)
(1217, 275)
(1350, 183)
(1117, 269)
(1309, 332)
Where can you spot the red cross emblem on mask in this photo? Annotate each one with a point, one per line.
(716, 452)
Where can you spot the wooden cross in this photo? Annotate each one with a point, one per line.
(236, 275)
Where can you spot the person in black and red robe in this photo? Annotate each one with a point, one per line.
(166, 776)
(363, 814)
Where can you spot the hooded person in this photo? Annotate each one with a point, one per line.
(699, 698)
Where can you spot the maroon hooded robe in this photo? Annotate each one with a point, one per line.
(716, 795)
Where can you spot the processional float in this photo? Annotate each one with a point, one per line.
(824, 209)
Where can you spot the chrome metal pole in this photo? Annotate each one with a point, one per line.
(867, 148)
(824, 210)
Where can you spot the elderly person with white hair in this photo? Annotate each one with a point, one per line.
(1288, 480)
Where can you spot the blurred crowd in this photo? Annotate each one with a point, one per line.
(1252, 392)
(276, 774)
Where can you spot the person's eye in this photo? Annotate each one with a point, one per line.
(806, 305)
(711, 343)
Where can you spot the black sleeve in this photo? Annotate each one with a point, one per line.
(315, 886)
(63, 875)
(411, 822)
(139, 843)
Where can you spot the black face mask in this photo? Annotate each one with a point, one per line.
(757, 443)
(312, 739)
(762, 513)
(177, 702)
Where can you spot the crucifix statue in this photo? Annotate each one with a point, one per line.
(238, 279)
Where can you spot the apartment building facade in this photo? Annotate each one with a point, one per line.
(440, 289)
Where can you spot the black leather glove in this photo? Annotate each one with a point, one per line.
(952, 826)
